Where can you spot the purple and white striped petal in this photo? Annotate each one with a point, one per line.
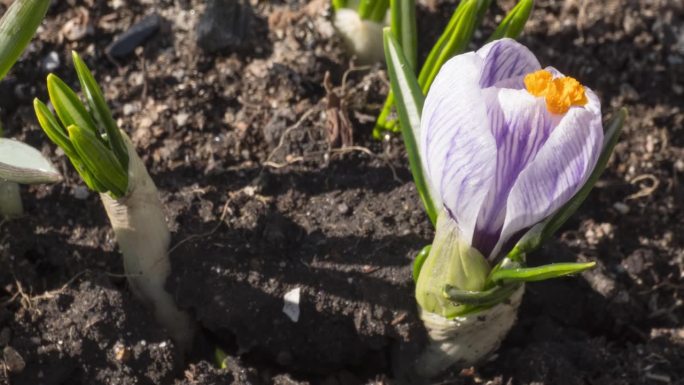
(457, 149)
(558, 171)
(521, 125)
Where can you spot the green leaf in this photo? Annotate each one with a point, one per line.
(409, 101)
(53, 128)
(454, 40)
(58, 135)
(539, 273)
(403, 27)
(68, 106)
(220, 358)
(99, 109)
(419, 261)
(99, 160)
(17, 27)
(484, 298)
(538, 234)
(379, 11)
(512, 25)
(339, 4)
(21, 163)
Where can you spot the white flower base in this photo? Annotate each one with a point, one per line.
(466, 341)
(363, 37)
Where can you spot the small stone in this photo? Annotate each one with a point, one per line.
(81, 192)
(224, 25)
(121, 352)
(343, 208)
(621, 208)
(51, 61)
(126, 43)
(13, 360)
(291, 307)
(181, 118)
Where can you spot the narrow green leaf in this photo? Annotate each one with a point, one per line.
(534, 238)
(489, 297)
(539, 273)
(58, 135)
(99, 109)
(365, 8)
(99, 160)
(419, 261)
(52, 128)
(379, 11)
(456, 42)
(68, 106)
(512, 25)
(17, 27)
(403, 27)
(409, 101)
(339, 4)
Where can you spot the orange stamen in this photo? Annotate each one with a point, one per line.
(560, 94)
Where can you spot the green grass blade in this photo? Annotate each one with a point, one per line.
(68, 106)
(409, 102)
(100, 160)
(542, 231)
(539, 273)
(99, 109)
(512, 25)
(17, 27)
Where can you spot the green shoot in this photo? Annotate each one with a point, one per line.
(87, 134)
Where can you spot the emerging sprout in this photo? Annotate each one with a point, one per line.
(19, 163)
(502, 152)
(106, 160)
(360, 24)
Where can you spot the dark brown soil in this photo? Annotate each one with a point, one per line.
(262, 200)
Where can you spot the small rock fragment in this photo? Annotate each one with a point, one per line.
(291, 307)
(224, 25)
(121, 352)
(13, 360)
(51, 61)
(621, 208)
(139, 32)
(81, 192)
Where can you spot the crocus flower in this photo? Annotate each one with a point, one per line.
(505, 143)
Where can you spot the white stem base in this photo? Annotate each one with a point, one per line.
(363, 37)
(10, 200)
(466, 341)
(143, 237)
